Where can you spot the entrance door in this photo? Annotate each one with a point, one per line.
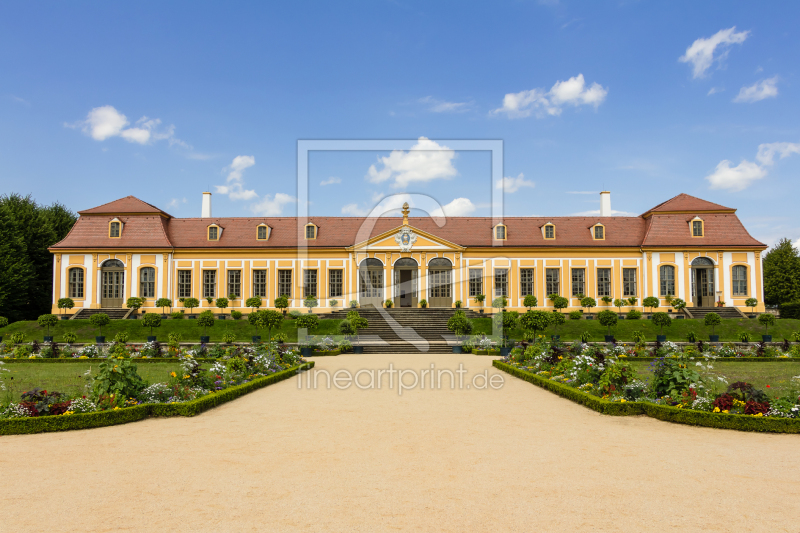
(112, 284)
(405, 290)
(704, 287)
(440, 293)
(405, 282)
(370, 275)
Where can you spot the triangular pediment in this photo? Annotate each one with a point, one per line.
(419, 241)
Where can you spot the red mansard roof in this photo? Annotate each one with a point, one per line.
(661, 226)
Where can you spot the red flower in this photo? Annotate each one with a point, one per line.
(767, 386)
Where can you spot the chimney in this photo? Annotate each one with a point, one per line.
(206, 205)
(605, 204)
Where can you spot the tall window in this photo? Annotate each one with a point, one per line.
(262, 233)
(629, 282)
(500, 233)
(697, 228)
(235, 283)
(475, 281)
(285, 283)
(501, 282)
(209, 283)
(525, 281)
(311, 232)
(147, 282)
(113, 230)
(598, 233)
(604, 282)
(260, 283)
(184, 283)
(667, 280)
(549, 232)
(213, 233)
(439, 283)
(578, 281)
(309, 283)
(75, 289)
(335, 283)
(740, 280)
(551, 276)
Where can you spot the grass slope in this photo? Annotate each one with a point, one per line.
(137, 333)
(729, 330)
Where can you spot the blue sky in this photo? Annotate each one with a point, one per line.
(164, 100)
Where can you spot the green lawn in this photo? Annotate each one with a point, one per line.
(66, 377)
(778, 375)
(729, 330)
(137, 333)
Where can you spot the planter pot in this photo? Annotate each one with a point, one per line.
(621, 316)
(766, 338)
(151, 338)
(358, 349)
(306, 352)
(555, 338)
(752, 316)
(661, 338)
(222, 317)
(191, 317)
(713, 338)
(480, 311)
(609, 338)
(204, 339)
(649, 317)
(256, 339)
(456, 349)
(100, 340)
(279, 342)
(48, 338)
(679, 317)
(505, 351)
(64, 317)
(164, 317)
(589, 317)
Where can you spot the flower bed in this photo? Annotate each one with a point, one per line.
(685, 388)
(324, 353)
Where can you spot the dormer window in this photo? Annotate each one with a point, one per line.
(500, 232)
(262, 232)
(115, 229)
(214, 233)
(549, 231)
(311, 232)
(697, 227)
(599, 232)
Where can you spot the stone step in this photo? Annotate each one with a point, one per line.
(113, 314)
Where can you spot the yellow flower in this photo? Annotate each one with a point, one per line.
(116, 408)
(173, 374)
(186, 377)
(68, 413)
(725, 411)
(716, 409)
(759, 414)
(622, 400)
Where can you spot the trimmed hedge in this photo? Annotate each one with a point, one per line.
(789, 310)
(660, 412)
(92, 359)
(18, 426)
(325, 354)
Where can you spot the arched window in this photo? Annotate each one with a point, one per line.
(702, 261)
(147, 282)
(739, 280)
(500, 232)
(113, 263)
(405, 262)
(667, 273)
(75, 278)
(262, 232)
(440, 262)
(311, 231)
(114, 229)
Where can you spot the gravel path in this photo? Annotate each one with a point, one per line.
(514, 459)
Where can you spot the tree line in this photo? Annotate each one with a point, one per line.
(782, 274)
(27, 229)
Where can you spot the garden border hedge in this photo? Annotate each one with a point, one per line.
(20, 426)
(90, 359)
(660, 412)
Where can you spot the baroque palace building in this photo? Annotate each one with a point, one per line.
(685, 247)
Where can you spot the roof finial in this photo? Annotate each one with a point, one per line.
(406, 210)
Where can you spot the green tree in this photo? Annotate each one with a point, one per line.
(608, 319)
(191, 303)
(254, 303)
(781, 274)
(751, 303)
(309, 321)
(557, 319)
(500, 302)
(206, 320)
(766, 320)
(222, 303)
(164, 302)
(459, 324)
(530, 301)
(65, 303)
(663, 319)
(651, 302)
(588, 302)
(46, 321)
(711, 319)
(311, 302)
(282, 302)
(559, 302)
(270, 320)
(535, 321)
(619, 304)
(151, 320)
(134, 302)
(99, 320)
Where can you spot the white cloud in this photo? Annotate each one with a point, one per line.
(234, 187)
(701, 53)
(331, 181)
(443, 106)
(271, 206)
(354, 210)
(714, 90)
(176, 202)
(540, 102)
(460, 207)
(105, 122)
(745, 173)
(767, 88)
(514, 184)
(426, 161)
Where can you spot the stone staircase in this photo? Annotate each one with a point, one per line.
(723, 312)
(113, 314)
(400, 330)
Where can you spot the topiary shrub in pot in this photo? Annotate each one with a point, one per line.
(661, 320)
(423, 303)
(712, 320)
(479, 300)
(588, 302)
(651, 302)
(556, 320)
(206, 320)
(530, 301)
(162, 303)
(460, 325)
(575, 315)
(46, 321)
(310, 323)
(236, 315)
(151, 320)
(191, 304)
(282, 302)
(608, 319)
(65, 303)
(679, 305)
(766, 320)
(633, 314)
(99, 320)
(135, 303)
(222, 304)
(535, 321)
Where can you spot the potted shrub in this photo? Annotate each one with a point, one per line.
(661, 320)
(388, 304)
(310, 323)
(228, 338)
(633, 314)
(236, 315)
(588, 302)
(766, 320)
(606, 300)
(479, 300)
(353, 304)
(65, 303)
(457, 304)
(557, 319)
(354, 322)
(134, 302)
(632, 301)
(205, 320)
(210, 300)
(253, 303)
(713, 320)
(744, 337)
(619, 304)
(651, 302)
(347, 329)
(191, 303)
(751, 303)
(720, 303)
(423, 303)
(282, 302)
(505, 321)
(608, 319)
(46, 321)
(162, 303)
(151, 320)
(333, 303)
(534, 321)
(70, 337)
(310, 302)
(679, 305)
(460, 325)
(267, 319)
(99, 320)
(222, 304)
(530, 301)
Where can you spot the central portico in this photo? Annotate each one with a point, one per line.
(402, 263)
